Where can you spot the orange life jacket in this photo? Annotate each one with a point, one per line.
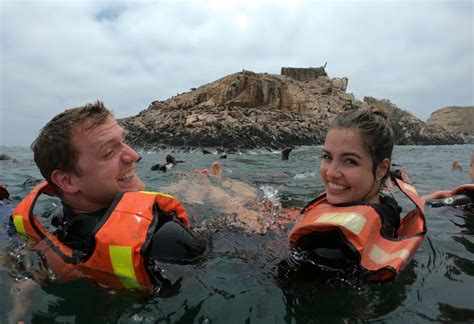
(361, 225)
(117, 259)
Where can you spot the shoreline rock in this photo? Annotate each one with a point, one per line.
(248, 110)
(409, 130)
(456, 119)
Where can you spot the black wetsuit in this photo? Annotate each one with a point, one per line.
(171, 241)
(389, 212)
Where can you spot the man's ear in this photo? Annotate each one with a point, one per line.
(65, 181)
(382, 169)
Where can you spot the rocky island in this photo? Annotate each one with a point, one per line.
(247, 110)
(458, 120)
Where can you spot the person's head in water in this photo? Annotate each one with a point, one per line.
(82, 153)
(456, 166)
(356, 156)
(216, 168)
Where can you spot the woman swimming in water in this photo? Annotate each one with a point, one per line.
(354, 222)
(356, 162)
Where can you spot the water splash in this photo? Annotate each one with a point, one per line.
(306, 175)
(272, 205)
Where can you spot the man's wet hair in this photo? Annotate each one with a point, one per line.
(53, 148)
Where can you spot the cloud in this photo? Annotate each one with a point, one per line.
(58, 55)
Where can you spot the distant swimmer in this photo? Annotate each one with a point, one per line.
(456, 166)
(462, 196)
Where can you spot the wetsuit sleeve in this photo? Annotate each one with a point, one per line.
(389, 212)
(169, 204)
(173, 242)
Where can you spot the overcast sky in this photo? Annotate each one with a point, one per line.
(62, 54)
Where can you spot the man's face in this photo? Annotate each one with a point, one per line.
(106, 165)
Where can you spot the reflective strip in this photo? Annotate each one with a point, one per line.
(379, 256)
(121, 258)
(410, 188)
(156, 193)
(20, 227)
(352, 221)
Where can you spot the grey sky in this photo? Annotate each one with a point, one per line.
(62, 54)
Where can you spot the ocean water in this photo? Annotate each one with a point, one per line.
(239, 280)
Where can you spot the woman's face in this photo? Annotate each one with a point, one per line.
(347, 168)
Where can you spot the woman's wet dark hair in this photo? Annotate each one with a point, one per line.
(374, 129)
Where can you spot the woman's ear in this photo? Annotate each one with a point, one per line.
(382, 169)
(64, 180)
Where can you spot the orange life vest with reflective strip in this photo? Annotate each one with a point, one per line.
(361, 226)
(117, 258)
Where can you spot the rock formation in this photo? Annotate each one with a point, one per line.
(303, 74)
(408, 129)
(459, 120)
(250, 110)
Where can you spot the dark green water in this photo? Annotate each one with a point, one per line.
(238, 281)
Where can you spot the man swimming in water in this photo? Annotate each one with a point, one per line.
(83, 157)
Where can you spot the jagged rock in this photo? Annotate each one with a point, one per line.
(249, 110)
(340, 83)
(408, 129)
(459, 120)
